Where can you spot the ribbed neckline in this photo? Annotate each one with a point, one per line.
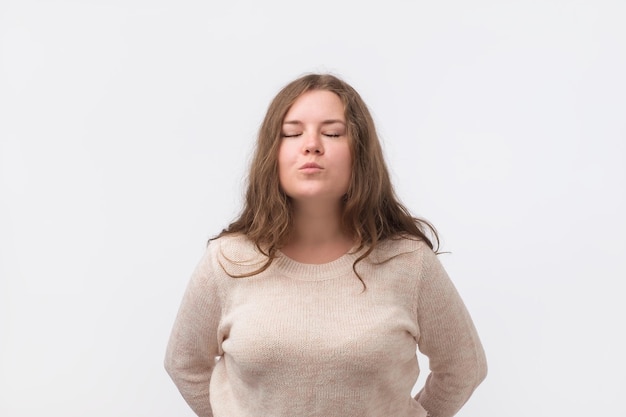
(316, 272)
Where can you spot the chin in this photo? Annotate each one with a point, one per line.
(314, 197)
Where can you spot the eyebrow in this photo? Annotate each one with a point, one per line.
(325, 122)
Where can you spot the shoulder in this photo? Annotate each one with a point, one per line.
(405, 255)
(236, 244)
(401, 246)
(235, 253)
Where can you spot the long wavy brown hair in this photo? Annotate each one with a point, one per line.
(371, 210)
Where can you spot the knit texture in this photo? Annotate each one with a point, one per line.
(306, 340)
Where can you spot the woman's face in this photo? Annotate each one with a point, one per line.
(314, 158)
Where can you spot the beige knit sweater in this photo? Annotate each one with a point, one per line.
(306, 340)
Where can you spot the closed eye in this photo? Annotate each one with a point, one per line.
(331, 135)
(291, 135)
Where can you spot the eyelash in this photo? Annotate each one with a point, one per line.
(328, 135)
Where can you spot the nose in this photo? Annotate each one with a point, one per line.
(313, 144)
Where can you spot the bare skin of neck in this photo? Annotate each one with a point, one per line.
(317, 237)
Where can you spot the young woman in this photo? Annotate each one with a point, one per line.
(314, 301)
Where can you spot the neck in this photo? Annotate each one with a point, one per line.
(317, 224)
(317, 236)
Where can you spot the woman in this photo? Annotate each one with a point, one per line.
(313, 301)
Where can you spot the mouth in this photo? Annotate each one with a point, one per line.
(310, 165)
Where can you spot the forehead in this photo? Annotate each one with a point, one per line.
(316, 105)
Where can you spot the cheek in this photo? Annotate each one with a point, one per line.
(282, 157)
(347, 161)
(283, 164)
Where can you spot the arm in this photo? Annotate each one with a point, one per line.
(450, 341)
(193, 345)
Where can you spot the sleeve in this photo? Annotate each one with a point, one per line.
(193, 345)
(450, 341)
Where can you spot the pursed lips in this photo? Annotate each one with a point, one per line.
(310, 165)
(310, 168)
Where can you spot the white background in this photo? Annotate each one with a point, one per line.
(126, 127)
